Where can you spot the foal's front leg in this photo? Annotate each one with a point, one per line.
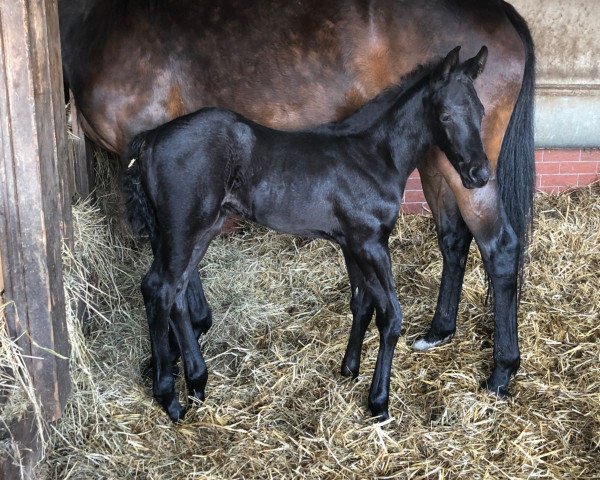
(362, 307)
(374, 260)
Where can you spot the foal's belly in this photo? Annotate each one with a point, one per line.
(302, 208)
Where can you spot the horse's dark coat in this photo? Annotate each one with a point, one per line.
(343, 182)
(135, 64)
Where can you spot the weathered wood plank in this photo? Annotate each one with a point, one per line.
(83, 157)
(34, 205)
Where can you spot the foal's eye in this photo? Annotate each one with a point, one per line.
(445, 118)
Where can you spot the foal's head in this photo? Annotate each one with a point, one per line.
(456, 113)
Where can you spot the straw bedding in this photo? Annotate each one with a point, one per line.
(276, 404)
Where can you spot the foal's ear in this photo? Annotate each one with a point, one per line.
(447, 66)
(474, 66)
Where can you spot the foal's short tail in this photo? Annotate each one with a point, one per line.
(516, 165)
(140, 213)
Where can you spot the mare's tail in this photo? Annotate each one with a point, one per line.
(516, 164)
(140, 213)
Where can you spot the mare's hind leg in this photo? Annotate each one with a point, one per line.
(454, 239)
(362, 307)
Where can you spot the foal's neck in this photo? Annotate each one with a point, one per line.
(404, 133)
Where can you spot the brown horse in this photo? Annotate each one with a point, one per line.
(133, 65)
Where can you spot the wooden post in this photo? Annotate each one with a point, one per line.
(83, 156)
(34, 195)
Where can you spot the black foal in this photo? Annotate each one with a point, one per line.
(342, 181)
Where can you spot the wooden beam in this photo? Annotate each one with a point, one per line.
(34, 198)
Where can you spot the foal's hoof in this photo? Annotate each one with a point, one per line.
(379, 409)
(175, 411)
(382, 416)
(196, 395)
(501, 391)
(428, 342)
(349, 371)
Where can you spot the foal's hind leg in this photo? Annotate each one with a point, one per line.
(362, 307)
(454, 239)
(196, 373)
(159, 295)
(164, 290)
(200, 312)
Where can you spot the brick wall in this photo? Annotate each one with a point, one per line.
(557, 171)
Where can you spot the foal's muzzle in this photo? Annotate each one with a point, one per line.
(475, 177)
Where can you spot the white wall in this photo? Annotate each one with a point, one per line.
(567, 38)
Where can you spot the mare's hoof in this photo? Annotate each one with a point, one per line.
(501, 391)
(427, 343)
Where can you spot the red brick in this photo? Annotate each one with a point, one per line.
(560, 180)
(585, 179)
(578, 167)
(590, 155)
(412, 208)
(553, 190)
(414, 174)
(549, 167)
(539, 156)
(413, 196)
(562, 155)
(413, 184)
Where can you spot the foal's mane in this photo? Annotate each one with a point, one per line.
(374, 109)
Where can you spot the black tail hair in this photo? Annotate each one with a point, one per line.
(140, 213)
(516, 165)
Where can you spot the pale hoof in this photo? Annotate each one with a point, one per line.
(422, 345)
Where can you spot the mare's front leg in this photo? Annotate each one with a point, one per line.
(374, 260)
(362, 307)
(454, 239)
(484, 214)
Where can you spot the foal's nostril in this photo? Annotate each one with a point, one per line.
(473, 173)
(479, 174)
